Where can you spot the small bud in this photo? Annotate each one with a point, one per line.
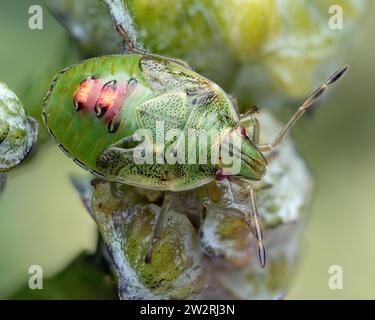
(17, 131)
(176, 269)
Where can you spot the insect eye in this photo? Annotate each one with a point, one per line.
(220, 176)
(242, 131)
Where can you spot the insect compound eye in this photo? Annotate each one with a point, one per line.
(220, 176)
(114, 125)
(106, 98)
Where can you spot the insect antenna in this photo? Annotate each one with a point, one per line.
(302, 109)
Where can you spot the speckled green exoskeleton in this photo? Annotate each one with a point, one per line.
(94, 110)
(18, 132)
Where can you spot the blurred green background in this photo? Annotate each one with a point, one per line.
(42, 220)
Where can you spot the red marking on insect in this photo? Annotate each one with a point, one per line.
(242, 131)
(87, 94)
(219, 175)
(110, 100)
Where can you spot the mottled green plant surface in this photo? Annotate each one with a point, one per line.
(18, 132)
(336, 142)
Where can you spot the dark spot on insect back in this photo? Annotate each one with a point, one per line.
(131, 86)
(114, 125)
(78, 105)
(110, 100)
(100, 110)
(106, 98)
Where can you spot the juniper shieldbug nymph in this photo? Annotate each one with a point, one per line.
(94, 109)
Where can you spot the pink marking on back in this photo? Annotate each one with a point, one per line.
(87, 94)
(110, 100)
(242, 131)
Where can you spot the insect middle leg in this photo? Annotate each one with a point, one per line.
(116, 190)
(123, 142)
(159, 225)
(257, 228)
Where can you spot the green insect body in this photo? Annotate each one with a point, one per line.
(93, 108)
(17, 131)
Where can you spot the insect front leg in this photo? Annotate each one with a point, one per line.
(257, 228)
(234, 212)
(247, 212)
(302, 109)
(249, 121)
(111, 157)
(253, 217)
(159, 225)
(123, 143)
(110, 161)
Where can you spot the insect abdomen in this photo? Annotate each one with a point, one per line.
(85, 101)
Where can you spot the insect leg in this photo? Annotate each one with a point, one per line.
(257, 228)
(116, 190)
(123, 142)
(234, 212)
(159, 225)
(251, 122)
(302, 109)
(250, 217)
(253, 219)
